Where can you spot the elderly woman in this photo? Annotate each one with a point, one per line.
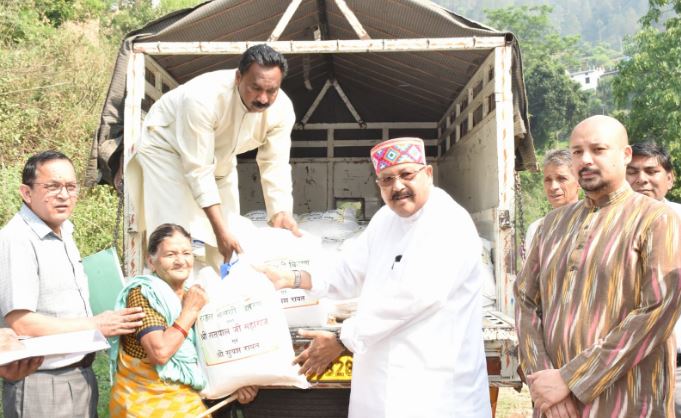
(157, 368)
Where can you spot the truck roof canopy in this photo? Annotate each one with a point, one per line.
(414, 86)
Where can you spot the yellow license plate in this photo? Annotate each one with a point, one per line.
(340, 371)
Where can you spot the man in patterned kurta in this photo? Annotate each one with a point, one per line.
(599, 294)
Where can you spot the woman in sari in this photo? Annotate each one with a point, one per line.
(157, 368)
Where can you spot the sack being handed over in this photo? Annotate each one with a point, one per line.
(243, 338)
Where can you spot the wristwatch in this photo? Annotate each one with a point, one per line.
(296, 279)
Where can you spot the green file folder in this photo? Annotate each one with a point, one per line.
(105, 279)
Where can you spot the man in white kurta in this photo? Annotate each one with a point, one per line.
(185, 161)
(417, 334)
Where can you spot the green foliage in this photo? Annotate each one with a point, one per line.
(101, 369)
(595, 21)
(649, 83)
(135, 15)
(539, 40)
(555, 103)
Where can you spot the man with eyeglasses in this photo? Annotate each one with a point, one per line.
(417, 333)
(44, 290)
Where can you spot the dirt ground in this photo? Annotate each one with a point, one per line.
(512, 404)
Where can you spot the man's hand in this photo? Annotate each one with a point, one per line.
(124, 321)
(9, 340)
(227, 244)
(19, 369)
(321, 352)
(246, 394)
(547, 388)
(567, 408)
(285, 220)
(281, 279)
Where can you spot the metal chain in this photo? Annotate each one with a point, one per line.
(119, 216)
(520, 214)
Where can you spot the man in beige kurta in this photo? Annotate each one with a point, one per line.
(184, 167)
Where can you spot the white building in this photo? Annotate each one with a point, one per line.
(588, 79)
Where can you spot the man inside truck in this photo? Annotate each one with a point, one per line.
(651, 172)
(417, 334)
(560, 186)
(184, 168)
(600, 292)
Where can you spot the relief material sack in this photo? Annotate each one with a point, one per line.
(279, 248)
(242, 336)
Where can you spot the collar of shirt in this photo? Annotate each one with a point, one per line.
(39, 226)
(242, 106)
(611, 198)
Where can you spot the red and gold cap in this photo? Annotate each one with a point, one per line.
(397, 151)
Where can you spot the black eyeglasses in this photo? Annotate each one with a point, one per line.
(54, 189)
(388, 181)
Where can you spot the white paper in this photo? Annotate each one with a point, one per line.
(59, 349)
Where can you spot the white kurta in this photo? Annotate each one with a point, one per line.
(186, 157)
(417, 333)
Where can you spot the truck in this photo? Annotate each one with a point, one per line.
(360, 72)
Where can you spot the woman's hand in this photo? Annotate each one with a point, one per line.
(195, 298)
(246, 394)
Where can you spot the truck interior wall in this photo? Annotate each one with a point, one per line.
(317, 184)
(468, 172)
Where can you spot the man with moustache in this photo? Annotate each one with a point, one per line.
(651, 173)
(184, 168)
(417, 334)
(560, 186)
(44, 291)
(599, 294)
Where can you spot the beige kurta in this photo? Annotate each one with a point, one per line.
(186, 157)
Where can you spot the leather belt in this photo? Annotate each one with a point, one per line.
(83, 363)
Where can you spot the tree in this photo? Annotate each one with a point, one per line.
(649, 81)
(555, 101)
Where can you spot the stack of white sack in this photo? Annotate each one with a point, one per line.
(243, 338)
(333, 227)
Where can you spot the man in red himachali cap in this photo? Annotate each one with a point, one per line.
(417, 334)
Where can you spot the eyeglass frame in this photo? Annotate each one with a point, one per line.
(61, 186)
(405, 176)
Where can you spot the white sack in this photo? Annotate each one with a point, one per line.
(242, 336)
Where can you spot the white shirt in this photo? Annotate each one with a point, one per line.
(417, 333)
(530, 233)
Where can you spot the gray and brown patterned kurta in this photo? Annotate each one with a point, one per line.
(598, 298)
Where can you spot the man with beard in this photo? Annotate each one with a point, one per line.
(599, 294)
(417, 333)
(184, 168)
(651, 173)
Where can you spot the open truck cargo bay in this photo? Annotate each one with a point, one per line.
(359, 72)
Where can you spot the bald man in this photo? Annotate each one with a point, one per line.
(600, 291)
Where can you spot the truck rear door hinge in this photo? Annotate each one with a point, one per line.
(505, 219)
